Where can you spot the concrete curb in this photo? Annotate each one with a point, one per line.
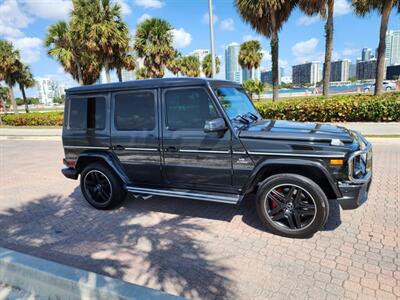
(55, 281)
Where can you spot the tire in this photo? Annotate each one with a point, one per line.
(388, 89)
(292, 205)
(101, 187)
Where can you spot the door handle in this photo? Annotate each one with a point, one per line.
(119, 147)
(171, 149)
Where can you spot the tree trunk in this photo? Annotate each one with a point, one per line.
(275, 58)
(108, 77)
(13, 102)
(119, 74)
(80, 75)
(251, 74)
(380, 68)
(328, 48)
(21, 87)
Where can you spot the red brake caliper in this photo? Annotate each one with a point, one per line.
(273, 204)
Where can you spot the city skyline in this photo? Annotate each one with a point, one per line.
(301, 39)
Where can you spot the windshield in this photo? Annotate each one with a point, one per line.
(235, 102)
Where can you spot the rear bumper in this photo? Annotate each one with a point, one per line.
(70, 173)
(353, 195)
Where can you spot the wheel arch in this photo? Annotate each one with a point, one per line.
(108, 159)
(310, 169)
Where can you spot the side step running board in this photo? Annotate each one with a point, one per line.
(205, 196)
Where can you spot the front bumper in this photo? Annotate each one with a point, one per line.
(70, 173)
(354, 195)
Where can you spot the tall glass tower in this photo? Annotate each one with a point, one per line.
(233, 71)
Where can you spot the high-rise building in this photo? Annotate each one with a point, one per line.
(393, 72)
(352, 70)
(246, 74)
(48, 89)
(233, 71)
(366, 54)
(128, 75)
(340, 70)
(366, 70)
(266, 76)
(308, 73)
(392, 54)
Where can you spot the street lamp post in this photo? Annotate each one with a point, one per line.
(210, 12)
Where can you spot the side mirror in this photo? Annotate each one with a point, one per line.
(215, 125)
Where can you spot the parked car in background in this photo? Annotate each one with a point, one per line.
(387, 86)
(204, 139)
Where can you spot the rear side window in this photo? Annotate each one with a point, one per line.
(87, 113)
(135, 111)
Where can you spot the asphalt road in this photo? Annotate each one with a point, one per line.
(201, 250)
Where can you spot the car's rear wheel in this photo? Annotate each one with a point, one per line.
(388, 88)
(292, 205)
(101, 187)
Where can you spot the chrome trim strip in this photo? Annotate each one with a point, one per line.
(239, 152)
(86, 147)
(298, 154)
(141, 149)
(204, 151)
(197, 196)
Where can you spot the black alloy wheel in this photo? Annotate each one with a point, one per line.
(97, 186)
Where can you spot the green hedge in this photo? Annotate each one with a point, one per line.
(349, 108)
(34, 119)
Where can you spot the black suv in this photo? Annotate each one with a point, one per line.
(204, 139)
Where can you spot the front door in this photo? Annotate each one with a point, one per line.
(135, 135)
(192, 158)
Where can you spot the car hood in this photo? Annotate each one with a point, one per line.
(296, 131)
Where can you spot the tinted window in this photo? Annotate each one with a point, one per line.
(188, 109)
(135, 111)
(87, 113)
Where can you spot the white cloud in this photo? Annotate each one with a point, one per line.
(206, 18)
(125, 8)
(150, 3)
(342, 7)
(12, 19)
(29, 48)
(306, 50)
(142, 18)
(350, 51)
(249, 37)
(227, 25)
(54, 9)
(266, 56)
(182, 38)
(306, 20)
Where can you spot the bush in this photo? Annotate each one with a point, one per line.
(34, 119)
(349, 108)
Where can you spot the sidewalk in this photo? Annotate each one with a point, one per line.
(367, 128)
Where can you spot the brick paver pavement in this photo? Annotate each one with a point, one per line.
(201, 250)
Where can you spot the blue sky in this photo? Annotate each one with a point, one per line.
(25, 22)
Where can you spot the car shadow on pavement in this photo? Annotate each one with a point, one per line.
(133, 242)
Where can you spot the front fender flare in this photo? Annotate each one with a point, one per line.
(286, 162)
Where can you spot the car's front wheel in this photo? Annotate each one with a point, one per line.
(101, 187)
(292, 205)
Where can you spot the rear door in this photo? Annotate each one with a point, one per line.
(135, 135)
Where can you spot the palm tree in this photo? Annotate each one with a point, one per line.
(251, 87)
(62, 45)
(267, 18)
(174, 65)
(9, 65)
(206, 65)
(325, 9)
(191, 66)
(153, 42)
(141, 73)
(99, 23)
(126, 61)
(250, 56)
(384, 8)
(259, 88)
(25, 80)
